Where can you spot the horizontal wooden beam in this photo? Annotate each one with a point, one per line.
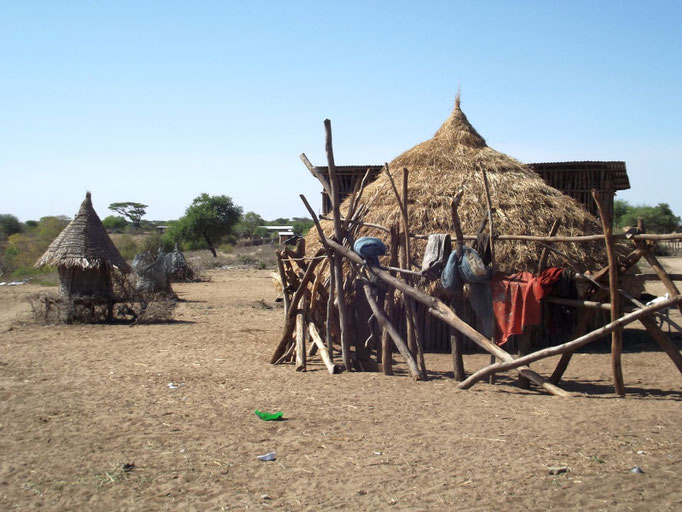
(532, 238)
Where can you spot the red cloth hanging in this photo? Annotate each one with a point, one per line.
(516, 300)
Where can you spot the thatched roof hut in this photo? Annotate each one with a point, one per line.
(524, 204)
(84, 254)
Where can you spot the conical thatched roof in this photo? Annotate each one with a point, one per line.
(524, 204)
(83, 243)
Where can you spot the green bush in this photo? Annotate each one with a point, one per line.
(127, 247)
(114, 223)
(9, 225)
(49, 227)
(248, 259)
(657, 219)
(46, 276)
(23, 250)
(155, 242)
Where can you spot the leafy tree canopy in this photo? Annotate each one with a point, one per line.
(208, 218)
(114, 222)
(657, 219)
(620, 208)
(24, 248)
(9, 225)
(132, 211)
(249, 225)
(49, 227)
(280, 221)
(302, 225)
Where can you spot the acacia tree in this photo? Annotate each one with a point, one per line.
(208, 218)
(130, 210)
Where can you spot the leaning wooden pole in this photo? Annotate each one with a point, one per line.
(571, 345)
(385, 323)
(324, 352)
(663, 341)
(389, 301)
(648, 322)
(404, 245)
(332, 286)
(616, 334)
(651, 259)
(338, 233)
(330, 308)
(581, 326)
(493, 262)
(456, 342)
(625, 264)
(301, 362)
(418, 334)
(285, 286)
(315, 172)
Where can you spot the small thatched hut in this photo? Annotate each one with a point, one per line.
(84, 256)
(524, 204)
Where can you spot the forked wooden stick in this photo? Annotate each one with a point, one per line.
(337, 262)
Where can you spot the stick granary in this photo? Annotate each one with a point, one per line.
(362, 315)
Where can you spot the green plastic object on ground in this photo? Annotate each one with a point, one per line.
(269, 416)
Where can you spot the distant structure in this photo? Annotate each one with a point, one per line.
(283, 232)
(349, 176)
(84, 256)
(577, 179)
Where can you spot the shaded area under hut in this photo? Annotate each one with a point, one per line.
(85, 257)
(425, 205)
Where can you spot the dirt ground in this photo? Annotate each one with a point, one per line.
(161, 417)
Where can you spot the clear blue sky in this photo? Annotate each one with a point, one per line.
(159, 101)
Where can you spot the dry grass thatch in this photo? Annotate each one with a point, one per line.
(84, 243)
(524, 204)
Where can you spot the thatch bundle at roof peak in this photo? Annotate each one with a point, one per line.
(84, 243)
(524, 204)
(457, 132)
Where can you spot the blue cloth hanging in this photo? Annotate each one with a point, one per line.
(450, 278)
(472, 269)
(370, 248)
